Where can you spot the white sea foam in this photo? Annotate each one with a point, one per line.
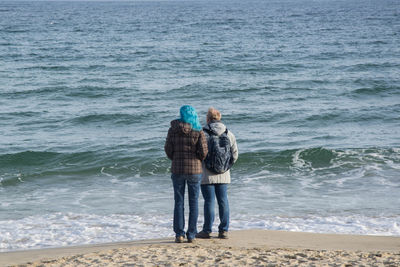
(388, 226)
(297, 161)
(72, 229)
(60, 229)
(103, 172)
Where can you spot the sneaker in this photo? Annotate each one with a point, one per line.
(191, 240)
(179, 239)
(203, 234)
(223, 235)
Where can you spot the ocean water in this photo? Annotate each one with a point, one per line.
(311, 90)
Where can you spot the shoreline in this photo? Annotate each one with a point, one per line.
(243, 247)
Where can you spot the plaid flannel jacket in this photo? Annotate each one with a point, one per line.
(186, 148)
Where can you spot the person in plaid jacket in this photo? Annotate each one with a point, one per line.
(186, 146)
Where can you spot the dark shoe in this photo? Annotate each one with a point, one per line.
(179, 239)
(223, 235)
(191, 240)
(203, 234)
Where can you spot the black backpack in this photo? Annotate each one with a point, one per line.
(219, 158)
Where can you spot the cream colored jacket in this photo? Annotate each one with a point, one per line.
(224, 178)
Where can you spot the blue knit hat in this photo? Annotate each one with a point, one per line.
(189, 115)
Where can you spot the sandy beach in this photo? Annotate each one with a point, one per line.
(247, 247)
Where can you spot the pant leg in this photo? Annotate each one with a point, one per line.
(193, 182)
(208, 192)
(179, 211)
(221, 192)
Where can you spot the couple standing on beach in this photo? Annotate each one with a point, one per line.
(188, 146)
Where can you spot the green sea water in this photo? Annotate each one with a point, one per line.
(311, 90)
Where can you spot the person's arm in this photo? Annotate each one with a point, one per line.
(169, 146)
(202, 148)
(234, 147)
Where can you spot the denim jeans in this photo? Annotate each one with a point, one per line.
(179, 182)
(209, 192)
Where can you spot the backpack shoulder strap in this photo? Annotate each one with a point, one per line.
(210, 132)
(207, 130)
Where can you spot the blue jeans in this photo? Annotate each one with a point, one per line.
(209, 192)
(179, 182)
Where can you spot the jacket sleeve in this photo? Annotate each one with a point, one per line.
(169, 146)
(202, 148)
(234, 147)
